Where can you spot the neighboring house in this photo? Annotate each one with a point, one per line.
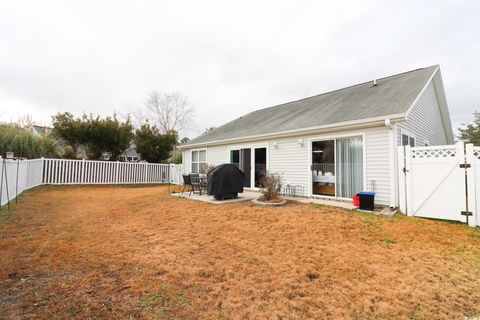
(130, 154)
(337, 143)
(38, 131)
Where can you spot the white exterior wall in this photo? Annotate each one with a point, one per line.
(379, 165)
(425, 120)
(293, 160)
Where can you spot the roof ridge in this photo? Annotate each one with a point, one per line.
(340, 89)
(430, 70)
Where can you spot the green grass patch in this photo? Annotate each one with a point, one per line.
(389, 240)
(262, 307)
(376, 224)
(327, 207)
(6, 217)
(221, 315)
(167, 303)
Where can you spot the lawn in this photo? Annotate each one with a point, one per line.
(137, 252)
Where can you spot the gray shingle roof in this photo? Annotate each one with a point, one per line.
(392, 95)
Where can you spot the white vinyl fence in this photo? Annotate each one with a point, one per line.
(20, 175)
(441, 182)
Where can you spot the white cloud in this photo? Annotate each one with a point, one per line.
(228, 57)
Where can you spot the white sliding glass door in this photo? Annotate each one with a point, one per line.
(323, 168)
(349, 166)
(337, 167)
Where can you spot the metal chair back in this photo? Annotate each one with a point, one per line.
(194, 177)
(187, 180)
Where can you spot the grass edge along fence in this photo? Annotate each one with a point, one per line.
(20, 175)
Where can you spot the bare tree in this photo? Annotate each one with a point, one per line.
(170, 111)
(137, 115)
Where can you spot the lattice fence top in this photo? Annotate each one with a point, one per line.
(434, 153)
(476, 152)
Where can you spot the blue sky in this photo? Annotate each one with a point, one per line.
(228, 57)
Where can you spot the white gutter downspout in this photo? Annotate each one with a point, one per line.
(391, 160)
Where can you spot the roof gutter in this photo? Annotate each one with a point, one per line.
(388, 123)
(339, 126)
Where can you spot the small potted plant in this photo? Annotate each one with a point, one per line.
(272, 183)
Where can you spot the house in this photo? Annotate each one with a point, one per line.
(130, 154)
(39, 131)
(337, 143)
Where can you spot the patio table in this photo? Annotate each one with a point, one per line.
(201, 182)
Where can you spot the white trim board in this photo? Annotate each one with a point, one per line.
(329, 128)
(335, 137)
(252, 159)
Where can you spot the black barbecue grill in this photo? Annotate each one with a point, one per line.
(225, 182)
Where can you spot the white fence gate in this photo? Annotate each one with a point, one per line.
(20, 175)
(440, 182)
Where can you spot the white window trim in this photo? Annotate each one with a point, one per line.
(252, 148)
(409, 134)
(198, 162)
(335, 137)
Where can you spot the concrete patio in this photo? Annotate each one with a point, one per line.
(250, 195)
(245, 196)
(324, 202)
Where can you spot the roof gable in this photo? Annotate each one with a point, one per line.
(392, 95)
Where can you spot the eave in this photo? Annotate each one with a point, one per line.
(339, 126)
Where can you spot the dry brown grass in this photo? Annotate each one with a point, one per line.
(125, 252)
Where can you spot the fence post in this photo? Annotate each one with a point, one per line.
(1, 181)
(16, 182)
(28, 174)
(82, 179)
(401, 179)
(43, 170)
(471, 191)
(408, 181)
(4, 169)
(116, 171)
(145, 173)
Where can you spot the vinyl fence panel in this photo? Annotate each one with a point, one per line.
(21, 175)
(441, 182)
(59, 171)
(18, 176)
(475, 177)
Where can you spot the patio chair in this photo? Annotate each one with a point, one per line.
(187, 183)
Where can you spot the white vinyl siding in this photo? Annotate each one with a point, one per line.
(291, 159)
(424, 120)
(218, 155)
(378, 165)
(215, 156)
(187, 161)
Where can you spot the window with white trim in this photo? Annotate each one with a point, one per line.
(199, 161)
(408, 140)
